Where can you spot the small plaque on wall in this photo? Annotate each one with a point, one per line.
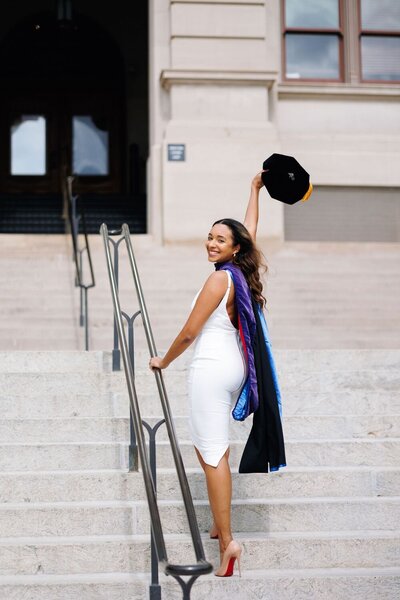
(177, 152)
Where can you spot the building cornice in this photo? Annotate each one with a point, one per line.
(170, 77)
(339, 91)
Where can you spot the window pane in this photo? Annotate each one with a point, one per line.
(310, 56)
(380, 57)
(320, 14)
(28, 145)
(90, 146)
(384, 15)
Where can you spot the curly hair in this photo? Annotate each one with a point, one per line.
(249, 258)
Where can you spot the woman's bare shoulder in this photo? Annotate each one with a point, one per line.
(216, 282)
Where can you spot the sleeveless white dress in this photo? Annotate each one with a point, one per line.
(215, 377)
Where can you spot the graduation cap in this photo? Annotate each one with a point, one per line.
(285, 179)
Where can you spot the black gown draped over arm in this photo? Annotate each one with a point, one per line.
(265, 445)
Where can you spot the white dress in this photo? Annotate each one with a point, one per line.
(215, 377)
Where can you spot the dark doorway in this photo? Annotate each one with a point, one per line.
(63, 112)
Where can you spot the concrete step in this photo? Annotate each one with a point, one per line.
(65, 405)
(295, 361)
(321, 584)
(41, 384)
(292, 584)
(171, 320)
(22, 340)
(95, 455)
(361, 341)
(62, 456)
(175, 310)
(49, 336)
(296, 514)
(42, 363)
(131, 554)
(76, 456)
(55, 404)
(287, 360)
(116, 429)
(315, 381)
(291, 338)
(99, 485)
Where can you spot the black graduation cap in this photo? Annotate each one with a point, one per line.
(285, 179)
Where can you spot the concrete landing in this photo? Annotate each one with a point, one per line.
(320, 295)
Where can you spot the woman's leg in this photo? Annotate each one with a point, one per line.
(214, 530)
(219, 487)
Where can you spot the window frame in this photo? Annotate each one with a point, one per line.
(320, 31)
(372, 33)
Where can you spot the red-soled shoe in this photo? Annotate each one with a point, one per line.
(232, 553)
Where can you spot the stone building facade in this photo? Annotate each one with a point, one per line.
(192, 95)
(220, 85)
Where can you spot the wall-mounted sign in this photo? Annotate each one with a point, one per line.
(176, 152)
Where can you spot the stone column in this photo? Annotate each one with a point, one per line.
(220, 103)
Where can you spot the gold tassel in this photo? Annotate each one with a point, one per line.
(308, 193)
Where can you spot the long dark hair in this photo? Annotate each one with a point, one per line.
(249, 258)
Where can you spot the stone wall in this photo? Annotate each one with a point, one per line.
(217, 89)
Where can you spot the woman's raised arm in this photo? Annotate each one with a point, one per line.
(251, 216)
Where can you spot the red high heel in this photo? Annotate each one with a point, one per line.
(232, 553)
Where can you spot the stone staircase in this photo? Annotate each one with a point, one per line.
(74, 523)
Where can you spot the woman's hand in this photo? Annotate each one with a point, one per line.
(157, 363)
(257, 182)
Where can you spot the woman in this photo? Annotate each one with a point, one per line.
(220, 364)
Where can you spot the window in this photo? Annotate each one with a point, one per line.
(90, 146)
(313, 40)
(28, 145)
(348, 41)
(380, 40)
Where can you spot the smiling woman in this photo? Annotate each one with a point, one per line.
(222, 376)
(219, 243)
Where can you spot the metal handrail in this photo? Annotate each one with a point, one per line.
(75, 217)
(202, 566)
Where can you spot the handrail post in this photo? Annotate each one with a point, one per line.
(116, 354)
(133, 451)
(86, 317)
(77, 255)
(116, 351)
(81, 313)
(154, 588)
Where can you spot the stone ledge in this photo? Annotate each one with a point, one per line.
(172, 77)
(338, 91)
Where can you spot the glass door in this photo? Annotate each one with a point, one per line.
(39, 148)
